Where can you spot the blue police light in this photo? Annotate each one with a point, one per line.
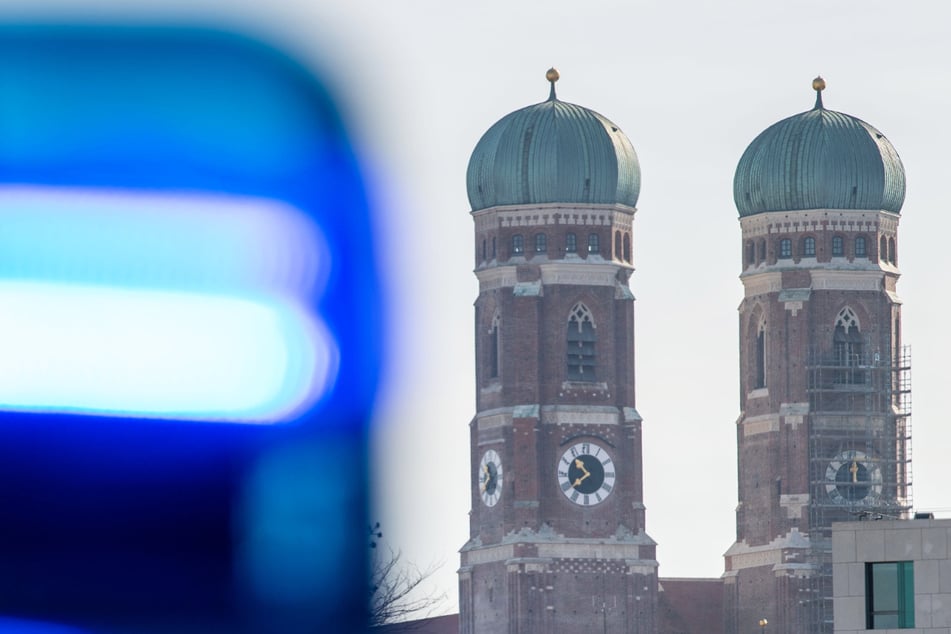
(184, 236)
(159, 305)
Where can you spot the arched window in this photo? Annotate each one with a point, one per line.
(627, 247)
(518, 244)
(809, 247)
(838, 246)
(891, 251)
(762, 251)
(571, 243)
(541, 243)
(581, 340)
(750, 253)
(785, 248)
(594, 243)
(617, 245)
(847, 351)
(493, 343)
(861, 250)
(760, 379)
(883, 250)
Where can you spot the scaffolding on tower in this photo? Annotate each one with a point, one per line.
(859, 456)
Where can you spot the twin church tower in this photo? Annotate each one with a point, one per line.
(558, 540)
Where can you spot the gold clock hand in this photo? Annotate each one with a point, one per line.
(579, 480)
(580, 464)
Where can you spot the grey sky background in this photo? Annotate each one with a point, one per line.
(691, 84)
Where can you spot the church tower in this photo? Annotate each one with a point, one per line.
(557, 539)
(823, 433)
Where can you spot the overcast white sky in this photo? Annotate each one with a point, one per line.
(691, 84)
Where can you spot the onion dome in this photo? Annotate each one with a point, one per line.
(819, 159)
(553, 152)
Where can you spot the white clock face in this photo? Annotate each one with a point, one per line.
(490, 477)
(854, 478)
(586, 474)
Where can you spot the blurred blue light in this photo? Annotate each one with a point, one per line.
(159, 305)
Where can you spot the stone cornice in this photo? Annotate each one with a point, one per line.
(818, 221)
(767, 280)
(580, 415)
(577, 272)
(839, 280)
(620, 216)
(741, 555)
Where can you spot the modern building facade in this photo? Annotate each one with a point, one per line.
(823, 433)
(892, 575)
(557, 528)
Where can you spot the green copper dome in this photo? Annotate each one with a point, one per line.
(553, 152)
(819, 159)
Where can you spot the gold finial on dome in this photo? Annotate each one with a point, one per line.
(818, 84)
(552, 76)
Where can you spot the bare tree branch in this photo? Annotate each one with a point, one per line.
(395, 586)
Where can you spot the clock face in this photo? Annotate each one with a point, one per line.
(586, 474)
(490, 477)
(853, 477)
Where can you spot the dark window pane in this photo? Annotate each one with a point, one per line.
(860, 249)
(594, 243)
(541, 243)
(785, 248)
(838, 246)
(809, 247)
(571, 243)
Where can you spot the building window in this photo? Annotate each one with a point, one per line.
(809, 247)
(892, 257)
(760, 379)
(883, 250)
(493, 345)
(785, 248)
(581, 344)
(750, 253)
(541, 243)
(861, 250)
(493, 247)
(847, 349)
(762, 251)
(617, 245)
(571, 243)
(890, 595)
(838, 246)
(594, 243)
(518, 244)
(627, 247)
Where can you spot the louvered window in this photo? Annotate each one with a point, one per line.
(582, 343)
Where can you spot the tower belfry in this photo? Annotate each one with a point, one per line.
(557, 532)
(824, 429)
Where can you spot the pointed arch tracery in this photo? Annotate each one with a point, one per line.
(847, 348)
(759, 378)
(493, 343)
(581, 344)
